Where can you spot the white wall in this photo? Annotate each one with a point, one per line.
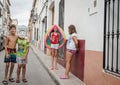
(56, 19)
(40, 24)
(0, 22)
(56, 12)
(32, 36)
(49, 14)
(89, 28)
(1, 1)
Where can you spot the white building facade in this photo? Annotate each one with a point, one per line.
(76, 13)
(1, 16)
(89, 20)
(5, 18)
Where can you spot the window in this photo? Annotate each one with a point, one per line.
(61, 24)
(61, 14)
(95, 3)
(53, 15)
(45, 24)
(37, 34)
(0, 12)
(34, 33)
(111, 61)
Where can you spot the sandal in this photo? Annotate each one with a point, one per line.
(17, 81)
(5, 82)
(64, 77)
(11, 80)
(24, 80)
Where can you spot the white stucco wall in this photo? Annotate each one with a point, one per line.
(56, 19)
(40, 25)
(49, 14)
(0, 23)
(89, 28)
(1, 1)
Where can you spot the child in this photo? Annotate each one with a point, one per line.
(72, 46)
(54, 47)
(10, 53)
(22, 52)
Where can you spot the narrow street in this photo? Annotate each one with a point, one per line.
(36, 74)
(78, 39)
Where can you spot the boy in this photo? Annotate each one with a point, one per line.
(22, 52)
(10, 53)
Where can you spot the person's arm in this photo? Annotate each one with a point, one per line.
(17, 38)
(50, 36)
(59, 37)
(27, 51)
(6, 46)
(76, 41)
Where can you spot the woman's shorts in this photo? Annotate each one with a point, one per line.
(71, 51)
(20, 61)
(54, 46)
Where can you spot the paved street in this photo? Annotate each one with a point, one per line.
(36, 74)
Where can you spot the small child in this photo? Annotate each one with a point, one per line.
(55, 38)
(10, 53)
(72, 46)
(22, 52)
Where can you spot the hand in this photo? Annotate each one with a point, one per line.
(48, 35)
(24, 58)
(77, 49)
(51, 39)
(7, 56)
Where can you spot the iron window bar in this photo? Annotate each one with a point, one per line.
(111, 55)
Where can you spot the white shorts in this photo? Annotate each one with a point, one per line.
(20, 61)
(54, 46)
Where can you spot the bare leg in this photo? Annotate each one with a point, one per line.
(52, 61)
(55, 59)
(18, 71)
(68, 63)
(11, 70)
(23, 71)
(6, 71)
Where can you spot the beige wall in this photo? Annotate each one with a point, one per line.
(94, 73)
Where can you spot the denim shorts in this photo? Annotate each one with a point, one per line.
(20, 61)
(54, 46)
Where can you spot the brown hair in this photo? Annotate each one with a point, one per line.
(12, 26)
(72, 29)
